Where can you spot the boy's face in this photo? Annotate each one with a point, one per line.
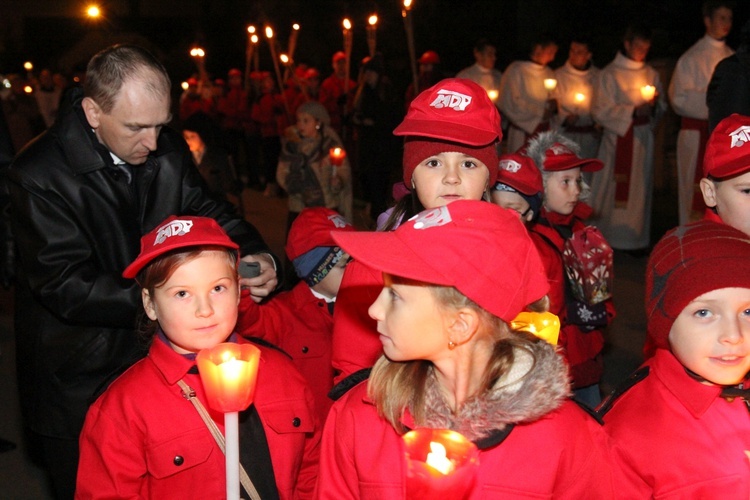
(486, 57)
(446, 177)
(513, 201)
(731, 197)
(719, 24)
(579, 55)
(197, 306)
(562, 190)
(637, 49)
(711, 336)
(329, 286)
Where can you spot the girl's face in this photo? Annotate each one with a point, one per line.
(562, 191)
(197, 306)
(447, 177)
(306, 125)
(711, 336)
(512, 201)
(411, 322)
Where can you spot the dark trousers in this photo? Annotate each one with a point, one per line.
(60, 459)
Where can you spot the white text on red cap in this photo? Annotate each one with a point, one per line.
(174, 228)
(450, 99)
(510, 165)
(740, 137)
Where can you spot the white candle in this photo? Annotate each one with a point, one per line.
(550, 84)
(437, 459)
(648, 92)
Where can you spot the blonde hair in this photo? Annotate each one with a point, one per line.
(395, 386)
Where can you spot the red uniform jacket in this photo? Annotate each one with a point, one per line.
(300, 324)
(561, 456)
(674, 437)
(136, 429)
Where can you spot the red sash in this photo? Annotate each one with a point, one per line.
(624, 162)
(697, 207)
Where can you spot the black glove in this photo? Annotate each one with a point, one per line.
(586, 316)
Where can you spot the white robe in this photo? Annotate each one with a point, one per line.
(687, 94)
(616, 95)
(487, 78)
(523, 99)
(572, 81)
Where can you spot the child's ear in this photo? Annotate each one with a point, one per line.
(708, 188)
(464, 323)
(148, 305)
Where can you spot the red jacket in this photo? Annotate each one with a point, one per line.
(674, 437)
(581, 349)
(356, 344)
(331, 90)
(562, 455)
(134, 431)
(300, 324)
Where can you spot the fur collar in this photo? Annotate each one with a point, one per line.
(526, 393)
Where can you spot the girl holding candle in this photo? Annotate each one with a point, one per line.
(451, 134)
(142, 438)
(455, 277)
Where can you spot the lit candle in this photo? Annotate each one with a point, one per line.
(348, 52)
(550, 84)
(493, 95)
(337, 156)
(372, 26)
(293, 40)
(648, 92)
(440, 463)
(28, 66)
(579, 97)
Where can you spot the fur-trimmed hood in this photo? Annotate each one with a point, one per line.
(539, 144)
(537, 384)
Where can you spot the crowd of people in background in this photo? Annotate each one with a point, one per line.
(486, 197)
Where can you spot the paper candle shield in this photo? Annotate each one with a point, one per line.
(589, 263)
(229, 372)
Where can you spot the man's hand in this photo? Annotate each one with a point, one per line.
(262, 285)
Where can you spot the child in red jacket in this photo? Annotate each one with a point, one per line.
(563, 214)
(143, 438)
(680, 426)
(300, 321)
(519, 186)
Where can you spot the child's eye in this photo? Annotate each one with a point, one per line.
(219, 288)
(702, 313)
(746, 312)
(392, 294)
(181, 294)
(469, 164)
(432, 163)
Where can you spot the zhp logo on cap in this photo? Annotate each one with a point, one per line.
(559, 149)
(740, 136)
(511, 166)
(174, 228)
(338, 221)
(450, 99)
(434, 218)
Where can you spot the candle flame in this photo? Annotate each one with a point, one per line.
(184, 85)
(336, 151)
(437, 459)
(580, 97)
(407, 4)
(347, 24)
(197, 52)
(28, 66)
(28, 89)
(93, 11)
(254, 39)
(284, 58)
(373, 20)
(251, 29)
(493, 95)
(295, 27)
(648, 92)
(269, 32)
(550, 84)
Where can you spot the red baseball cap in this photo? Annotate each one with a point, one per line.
(455, 110)
(477, 247)
(178, 232)
(234, 72)
(560, 157)
(312, 228)
(429, 57)
(520, 172)
(728, 148)
(338, 56)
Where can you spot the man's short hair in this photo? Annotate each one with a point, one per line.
(637, 30)
(108, 70)
(711, 6)
(482, 44)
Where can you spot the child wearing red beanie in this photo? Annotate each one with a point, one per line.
(679, 426)
(562, 219)
(726, 173)
(300, 321)
(451, 136)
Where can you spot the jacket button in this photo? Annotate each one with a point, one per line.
(320, 303)
(296, 422)
(305, 349)
(178, 460)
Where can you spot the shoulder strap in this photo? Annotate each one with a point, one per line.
(189, 394)
(621, 389)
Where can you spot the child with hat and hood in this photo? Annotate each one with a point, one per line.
(310, 176)
(454, 280)
(519, 186)
(451, 134)
(679, 426)
(300, 321)
(563, 214)
(726, 173)
(143, 438)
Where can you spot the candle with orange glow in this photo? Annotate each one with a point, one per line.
(493, 95)
(550, 84)
(372, 27)
(648, 92)
(408, 26)
(337, 156)
(440, 463)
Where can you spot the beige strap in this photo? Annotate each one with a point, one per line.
(189, 394)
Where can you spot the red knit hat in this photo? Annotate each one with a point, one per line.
(178, 232)
(686, 263)
(482, 250)
(417, 149)
(520, 172)
(312, 229)
(728, 148)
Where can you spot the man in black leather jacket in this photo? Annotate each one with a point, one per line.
(77, 217)
(729, 89)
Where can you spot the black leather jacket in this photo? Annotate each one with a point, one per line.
(729, 89)
(77, 224)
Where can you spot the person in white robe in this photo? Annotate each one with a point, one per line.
(628, 102)
(483, 71)
(687, 94)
